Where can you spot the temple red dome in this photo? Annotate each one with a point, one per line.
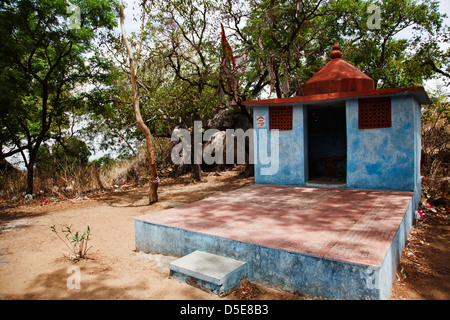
(338, 76)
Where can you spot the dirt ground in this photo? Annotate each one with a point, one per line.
(33, 265)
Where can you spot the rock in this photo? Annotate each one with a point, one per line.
(222, 120)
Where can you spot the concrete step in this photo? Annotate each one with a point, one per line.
(213, 273)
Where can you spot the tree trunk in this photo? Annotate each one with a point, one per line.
(97, 176)
(196, 167)
(197, 172)
(196, 157)
(153, 192)
(154, 181)
(30, 177)
(30, 169)
(249, 170)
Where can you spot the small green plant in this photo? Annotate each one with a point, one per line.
(77, 242)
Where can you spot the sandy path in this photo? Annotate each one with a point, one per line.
(33, 266)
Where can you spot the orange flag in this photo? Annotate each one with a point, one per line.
(226, 50)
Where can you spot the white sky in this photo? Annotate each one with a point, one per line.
(131, 10)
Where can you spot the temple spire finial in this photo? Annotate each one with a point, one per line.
(336, 53)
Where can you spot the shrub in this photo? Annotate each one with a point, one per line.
(435, 165)
(77, 242)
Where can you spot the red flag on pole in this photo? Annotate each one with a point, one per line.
(226, 49)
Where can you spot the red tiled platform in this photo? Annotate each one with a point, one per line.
(357, 226)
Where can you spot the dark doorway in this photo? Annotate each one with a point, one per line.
(327, 145)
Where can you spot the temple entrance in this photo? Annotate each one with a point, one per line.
(327, 145)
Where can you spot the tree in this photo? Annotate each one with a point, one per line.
(189, 45)
(285, 41)
(134, 64)
(44, 64)
(288, 41)
(52, 159)
(381, 53)
(429, 58)
(175, 87)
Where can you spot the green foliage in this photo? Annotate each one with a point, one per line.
(73, 152)
(177, 76)
(279, 45)
(77, 241)
(287, 39)
(104, 163)
(44, 65)
(438, 110)
(381, 52)
(44, 160)
(186, 58)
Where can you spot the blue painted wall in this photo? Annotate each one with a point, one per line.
(417, 110)
(287, 270)
(385, 159)
(289, 166)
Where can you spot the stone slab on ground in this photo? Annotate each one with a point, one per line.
(212, 272)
